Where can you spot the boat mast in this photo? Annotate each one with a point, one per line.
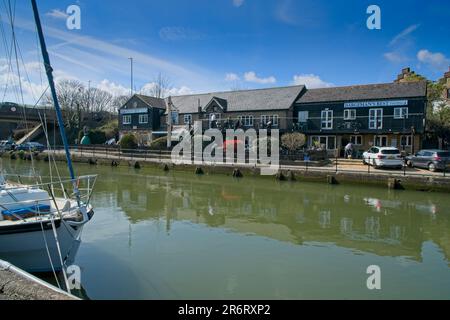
(49, 71)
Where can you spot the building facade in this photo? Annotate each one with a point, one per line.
(391, 114)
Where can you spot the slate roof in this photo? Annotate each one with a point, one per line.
(281, 98)
(152, 101)
(366, 92)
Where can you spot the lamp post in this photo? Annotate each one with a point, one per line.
(131, 66)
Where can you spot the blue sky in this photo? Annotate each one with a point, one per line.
(209, 45)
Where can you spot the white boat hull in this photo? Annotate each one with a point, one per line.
(27, 249)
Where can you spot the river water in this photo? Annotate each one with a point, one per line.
(175, 235)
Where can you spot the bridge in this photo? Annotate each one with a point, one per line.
(16, 117)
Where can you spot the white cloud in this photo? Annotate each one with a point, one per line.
(311, 81)
(238, 3)
(232, 77)
(113, 88)
(252, 77)
(404, 33)
(436, 61)
(183, 90)
(395, 57)
(57, 14)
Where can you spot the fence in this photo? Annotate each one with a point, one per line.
(296, 161)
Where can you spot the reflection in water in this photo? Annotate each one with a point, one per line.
(185, 236)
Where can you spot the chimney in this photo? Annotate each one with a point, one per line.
(447, 74)
(406, 71)
(199, 107)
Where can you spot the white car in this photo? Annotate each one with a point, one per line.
(383, 157)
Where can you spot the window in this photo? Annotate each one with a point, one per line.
(375, 118)
(327, 142)
(174, 118)
(247, 121)
(303, 116)
(187, 119)
(406, 141)
(126, 119)
(401, 113)
(356, 140)
(266, 119)
(143, 118)
(327, 119)
(349, 114)
(381, 141)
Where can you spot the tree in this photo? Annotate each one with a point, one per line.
(159, 87)
(293, 141)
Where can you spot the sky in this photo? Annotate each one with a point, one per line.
(218, 45)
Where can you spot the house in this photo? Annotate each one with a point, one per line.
(388, 114)
(147, 116)
(446, 93)
(141, 115)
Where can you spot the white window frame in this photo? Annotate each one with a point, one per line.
(354, 139)
(273, 118)
(327, 139)
(187, 118)
(126, 119)
(401, 113)
(376, 119)
(143, 118)
(247, 121)
(408, 140)
(380, 137)
(349, 114)
(326, 119)
(303, 116)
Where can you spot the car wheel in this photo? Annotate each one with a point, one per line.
(364, 161)
(409, 163)
(432, 167)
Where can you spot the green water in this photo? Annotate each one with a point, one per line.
(172, 235)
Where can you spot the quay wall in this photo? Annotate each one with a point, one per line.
(394, 180)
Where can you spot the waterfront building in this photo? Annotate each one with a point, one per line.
(388, 114)
(245, 109)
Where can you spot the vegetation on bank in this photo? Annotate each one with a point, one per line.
(438, 111)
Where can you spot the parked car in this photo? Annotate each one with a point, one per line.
(7, 145)
(383, 157)
(430, 159)
(31, 146)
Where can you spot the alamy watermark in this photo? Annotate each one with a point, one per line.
(374, 280)
(249, 147)
(374, 20)
(73, 273)
(73, 21)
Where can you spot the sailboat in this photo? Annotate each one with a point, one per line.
(41, 223)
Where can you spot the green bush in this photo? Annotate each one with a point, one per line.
(159, 144)
(22, 154)
(128, 141)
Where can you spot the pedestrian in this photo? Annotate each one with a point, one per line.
(349, 150)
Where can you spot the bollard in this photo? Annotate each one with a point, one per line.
(394, 184)
(237, 173)
(280, 176)
(331, 179)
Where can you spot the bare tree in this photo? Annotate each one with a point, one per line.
(160, 87)
(69, 93)
(293, 141)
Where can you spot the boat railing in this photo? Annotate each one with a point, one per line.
(79, 189)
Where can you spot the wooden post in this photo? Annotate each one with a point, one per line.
(169, 123)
